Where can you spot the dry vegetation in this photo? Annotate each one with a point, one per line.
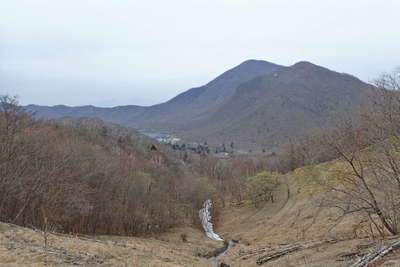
(334, 212)
(85, 177)
(24, 247)
(324, 200)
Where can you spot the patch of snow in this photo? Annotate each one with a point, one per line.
(205, 218)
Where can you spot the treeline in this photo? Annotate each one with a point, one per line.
(203, 149)
(229, 177)
(87, 177)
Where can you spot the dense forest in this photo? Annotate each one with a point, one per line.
(85, 176)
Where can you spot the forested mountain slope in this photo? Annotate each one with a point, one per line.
(268, 110)
(256, 105)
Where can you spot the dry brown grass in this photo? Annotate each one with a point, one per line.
(24, 247)
(294, 218)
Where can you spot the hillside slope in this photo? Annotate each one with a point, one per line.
(256, 105)
(297, 219)
(199, 104)
(294, 220)
(179, 112)
(269, 109)
(90, 177)
(25, 247)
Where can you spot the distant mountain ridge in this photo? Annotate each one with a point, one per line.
(256, 104)
(268, 110)
(197, 103)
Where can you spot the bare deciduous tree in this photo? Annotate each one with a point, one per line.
(369, 184)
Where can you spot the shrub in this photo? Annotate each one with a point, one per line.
(262, 186)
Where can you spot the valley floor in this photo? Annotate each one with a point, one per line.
(25, 247)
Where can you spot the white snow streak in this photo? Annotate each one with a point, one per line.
(205, 218)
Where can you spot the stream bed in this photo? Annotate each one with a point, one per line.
(205, 219)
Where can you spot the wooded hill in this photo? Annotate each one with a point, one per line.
(257, 105)
(87, 176)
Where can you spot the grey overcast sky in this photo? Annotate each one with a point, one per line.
(116, 52)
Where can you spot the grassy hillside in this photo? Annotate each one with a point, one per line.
(25, 247)
(294, 219)
(297, 218)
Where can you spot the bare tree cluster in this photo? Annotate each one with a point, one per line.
(86, 179)
(369, 183)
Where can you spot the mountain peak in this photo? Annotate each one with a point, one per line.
(304, 64)
(256, 63)
(243, 72)
(253, 61)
